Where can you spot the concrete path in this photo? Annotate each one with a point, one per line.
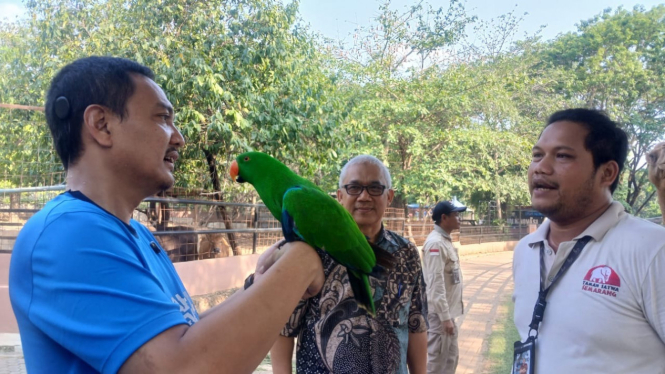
(11, 354)
(487, 281)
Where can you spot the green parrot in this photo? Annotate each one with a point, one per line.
(309, 214)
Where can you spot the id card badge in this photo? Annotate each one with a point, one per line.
(524, 357)
(456, 276)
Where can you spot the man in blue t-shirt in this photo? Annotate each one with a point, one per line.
(91, 288)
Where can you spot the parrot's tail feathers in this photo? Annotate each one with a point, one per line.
(385, 261)
(362, 291)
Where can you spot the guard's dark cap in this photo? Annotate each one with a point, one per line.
(445, 207)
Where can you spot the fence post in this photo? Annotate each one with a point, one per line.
(254, 236)
(480, 237)
(404, 226)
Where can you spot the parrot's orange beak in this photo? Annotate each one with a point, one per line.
(234, 170)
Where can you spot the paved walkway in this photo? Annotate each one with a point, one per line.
(487, 281)
(11, 354)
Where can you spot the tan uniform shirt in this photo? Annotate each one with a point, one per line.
(443, 276)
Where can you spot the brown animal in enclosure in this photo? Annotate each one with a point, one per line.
(656, 165)
(179, 247)
(214, 246)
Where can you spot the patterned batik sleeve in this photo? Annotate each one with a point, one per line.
(292, 327)
(418, 309)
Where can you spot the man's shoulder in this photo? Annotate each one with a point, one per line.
(64, 216)
(632, 222)
(433, 236)
(55, 210)
(637, 232)
(401, 241)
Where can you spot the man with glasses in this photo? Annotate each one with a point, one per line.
(334, 334)
(444, 289)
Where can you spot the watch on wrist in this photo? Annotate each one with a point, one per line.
(249, 281)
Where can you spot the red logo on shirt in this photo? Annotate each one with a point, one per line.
(603, 280)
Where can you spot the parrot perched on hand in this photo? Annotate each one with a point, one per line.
(309, 214)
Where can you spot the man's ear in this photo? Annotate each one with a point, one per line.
(609, 172)
(96, 123)
(391, 195)
(339, 195)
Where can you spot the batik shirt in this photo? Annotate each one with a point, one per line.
(336, 335)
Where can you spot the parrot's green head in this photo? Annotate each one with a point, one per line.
(253, 167)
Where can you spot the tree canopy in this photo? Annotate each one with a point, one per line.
(450, 104)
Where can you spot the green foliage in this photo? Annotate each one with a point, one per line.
(462, 126)
(499, 353)
(617, 60)
(449, 113)
(241, 74)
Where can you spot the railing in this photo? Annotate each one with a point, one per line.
(417, 232)
(190, 229)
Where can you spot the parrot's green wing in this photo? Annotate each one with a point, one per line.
(324, 223)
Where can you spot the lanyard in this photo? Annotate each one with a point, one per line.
(539, 309)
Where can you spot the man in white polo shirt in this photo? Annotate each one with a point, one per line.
(605, 312)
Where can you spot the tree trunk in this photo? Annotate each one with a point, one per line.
(14, 201)
(498, 195)
(220, 210)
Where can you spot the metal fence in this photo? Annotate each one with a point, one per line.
(417, 232)
(193, 229)
(189, 229)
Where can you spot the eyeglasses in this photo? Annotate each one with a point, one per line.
(357, 189)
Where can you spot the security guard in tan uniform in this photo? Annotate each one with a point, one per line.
(444, 289)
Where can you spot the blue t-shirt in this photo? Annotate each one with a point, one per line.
(88, 290)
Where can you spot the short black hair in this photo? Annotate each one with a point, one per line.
(92, 80)
(606, 140)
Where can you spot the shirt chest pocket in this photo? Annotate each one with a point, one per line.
(452, 266)
(451, 259)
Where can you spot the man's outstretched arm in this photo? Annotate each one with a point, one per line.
(235, 336)
(281, 355)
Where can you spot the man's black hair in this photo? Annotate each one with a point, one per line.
(92, 80)
(605, 140)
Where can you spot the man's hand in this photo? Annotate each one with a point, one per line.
(279, 249)
(656, 165)
(268, 258)
(449, 327)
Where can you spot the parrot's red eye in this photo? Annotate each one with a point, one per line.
(247, 158)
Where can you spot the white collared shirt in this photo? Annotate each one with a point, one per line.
(606, 314)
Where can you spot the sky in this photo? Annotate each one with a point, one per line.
(337, 19)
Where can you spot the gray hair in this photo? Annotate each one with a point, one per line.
(365, 160)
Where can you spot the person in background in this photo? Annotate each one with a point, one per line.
(443, 277)
(334, 334)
